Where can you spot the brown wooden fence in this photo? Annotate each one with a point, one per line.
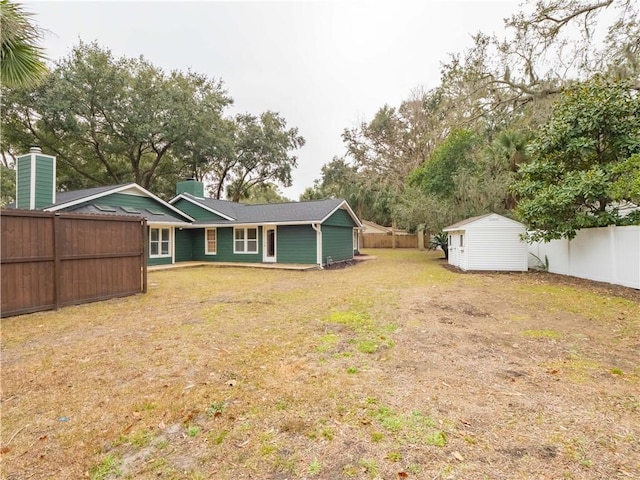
(49, 260)
(384, 240)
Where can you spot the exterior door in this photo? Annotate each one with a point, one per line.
(269, 250)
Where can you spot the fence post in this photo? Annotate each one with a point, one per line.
(143, 224)
(56, 260)
(393, 233)
(613, 261)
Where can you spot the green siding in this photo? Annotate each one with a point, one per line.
(225, 247)
(337, 243)
(195, 211)
(159, 261)
(23, 181)
(44, 181)
(340, 218)
(295, 244)
(192, 186)
(184, 245)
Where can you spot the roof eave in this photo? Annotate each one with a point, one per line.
(200, 204)
(77, 201)
(349, 211)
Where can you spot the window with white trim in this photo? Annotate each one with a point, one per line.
(461, 240)
(245, 240)
(159, 242)
(210, 241)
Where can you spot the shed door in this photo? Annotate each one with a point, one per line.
(454, 254)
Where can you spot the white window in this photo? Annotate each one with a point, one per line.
(245, 240)
(210, 241)
(159, 242)
(461, 240)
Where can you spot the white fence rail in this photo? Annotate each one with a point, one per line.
(608, 254)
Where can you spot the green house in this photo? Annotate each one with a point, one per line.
(317, 232)
(191, 227)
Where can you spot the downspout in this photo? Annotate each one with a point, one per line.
(316, 227)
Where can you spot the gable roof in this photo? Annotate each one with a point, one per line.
(68, 200)
(316, 211)
(221, 208)
(464, 223)
(374, 226)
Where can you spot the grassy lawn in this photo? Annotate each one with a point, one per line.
(393, 368)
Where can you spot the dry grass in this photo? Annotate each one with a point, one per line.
(392, 368)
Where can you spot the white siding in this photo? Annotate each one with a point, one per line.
(493, 243)
(490, 243)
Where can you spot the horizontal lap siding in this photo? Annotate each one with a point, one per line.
(340, 218)
(225, 248)
(195, 211)
(495, 245)
(184, 245)
(337, 243)
(198, 243)
(154, 261)
(337, 237)
(296, 244)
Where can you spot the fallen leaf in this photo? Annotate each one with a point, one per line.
(403, 474)
(457, 456)
(4, 449)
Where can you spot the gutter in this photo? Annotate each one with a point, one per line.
(316, 227)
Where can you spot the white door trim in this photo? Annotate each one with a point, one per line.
(265, 243)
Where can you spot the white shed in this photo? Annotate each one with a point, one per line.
(487, 242)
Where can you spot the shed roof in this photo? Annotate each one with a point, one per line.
(463, 223)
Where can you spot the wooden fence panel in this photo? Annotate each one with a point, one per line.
(55, 259)
(384, 240)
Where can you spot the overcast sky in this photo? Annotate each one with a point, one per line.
(324, 66)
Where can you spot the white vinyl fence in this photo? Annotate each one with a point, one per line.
(607, 254)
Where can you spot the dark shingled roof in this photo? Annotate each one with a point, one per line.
(151, 217)
(66, 197)
(313, 211)
(62, 198)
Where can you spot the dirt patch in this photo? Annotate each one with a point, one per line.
(399, 368)
(553, 278)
